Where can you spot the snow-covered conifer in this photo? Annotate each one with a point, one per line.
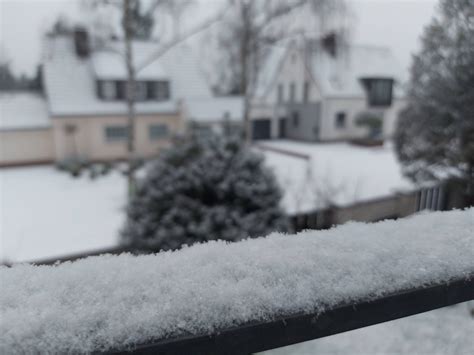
(200, 190)
(435, 134)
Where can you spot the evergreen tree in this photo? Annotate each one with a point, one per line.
(435, 133)
(203, 190)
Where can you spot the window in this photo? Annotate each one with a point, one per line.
(296, 119)
(340, 120)
(203, 131)
(144, 90)
(121, 87)
(116, 133)
(107, 90)
(158, 131)
(292, 92)
(140, 91)
(379, 91)
(162, 90)
(280, 93)
(306, 92)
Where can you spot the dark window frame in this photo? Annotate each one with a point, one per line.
(306, 90)
(340, 120)
(116, 133)
(379, 91)
(158, 131)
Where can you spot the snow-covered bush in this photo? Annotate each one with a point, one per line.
(200, 190)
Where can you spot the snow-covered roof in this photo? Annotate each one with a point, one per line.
(70, 81)
(215, 109)
(269, 71)
(23, 110)
(107, 302)
(340, 76)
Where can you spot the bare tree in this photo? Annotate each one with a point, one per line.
(252, 26)
(133, 19)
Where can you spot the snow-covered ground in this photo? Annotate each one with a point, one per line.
(117, 301)
(338, 173)
(46, 213)
(445, 331)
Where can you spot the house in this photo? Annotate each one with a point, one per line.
(25, 129)
(328, 90)
(84, 111)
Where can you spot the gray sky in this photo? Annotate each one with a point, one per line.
(394, 23)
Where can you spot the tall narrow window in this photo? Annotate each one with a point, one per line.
(121, 87)
(340, 120)
(140, 91)
(292, 92)
(107, 90)
(280, 93)
(163, 90)
(306, 92)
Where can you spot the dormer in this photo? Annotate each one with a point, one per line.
(379, 91)
(111, 79)
(114, 90)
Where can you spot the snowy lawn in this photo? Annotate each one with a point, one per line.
(115, 301)
(45, 213)
(337, 173)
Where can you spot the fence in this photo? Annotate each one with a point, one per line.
(436, 198)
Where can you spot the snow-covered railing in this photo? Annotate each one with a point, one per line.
(244, 297)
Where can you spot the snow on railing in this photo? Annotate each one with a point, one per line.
(111, 303)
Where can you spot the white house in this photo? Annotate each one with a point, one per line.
(320, 90)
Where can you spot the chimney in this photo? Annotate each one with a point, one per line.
(329, 43)
(81, 42)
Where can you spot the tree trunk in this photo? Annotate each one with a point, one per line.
(244, 64)
(130, 93)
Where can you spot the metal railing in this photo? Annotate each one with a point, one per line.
(296, 328)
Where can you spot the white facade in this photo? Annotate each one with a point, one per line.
(319, 96)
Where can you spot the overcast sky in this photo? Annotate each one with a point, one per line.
(394, 23)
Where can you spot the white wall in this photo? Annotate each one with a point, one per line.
(27, 146)
(352, 107)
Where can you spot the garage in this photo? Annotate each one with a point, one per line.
(261, 129)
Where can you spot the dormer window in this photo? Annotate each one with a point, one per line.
(116, 90)
(140, 91)
(108, 90)
(379, 91)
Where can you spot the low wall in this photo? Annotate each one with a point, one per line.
(26, 146)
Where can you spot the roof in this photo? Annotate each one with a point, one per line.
(215, 109)
(340, 76)
(269, 72)
(70, 82)
(23, 110)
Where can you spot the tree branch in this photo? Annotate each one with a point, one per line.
(166, 47)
